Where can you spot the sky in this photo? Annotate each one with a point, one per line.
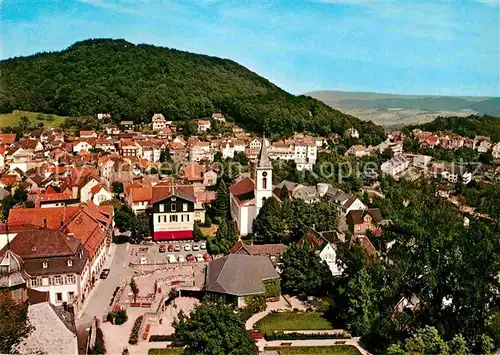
(406, 47)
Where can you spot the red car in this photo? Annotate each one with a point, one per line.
(170, 247)
(207, 257)
(190, 258)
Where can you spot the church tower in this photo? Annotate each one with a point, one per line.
(263, 177)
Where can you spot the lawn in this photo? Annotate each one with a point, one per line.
(317, 350)
(13, 119)
(165, 351)
(293, 321)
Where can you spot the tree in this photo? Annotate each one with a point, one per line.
(221, 205)
(14, 325)
(241, 158)
(387, 154)
(304, 273)
(124, 218)
(197, 233)
(140, 226)
(269, 225)
(165, 156)
(226, 235)
(117, 187)
(213, 329)
(458, 346)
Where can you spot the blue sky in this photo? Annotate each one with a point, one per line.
(406, 47)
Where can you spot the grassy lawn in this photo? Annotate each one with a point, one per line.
(317, 350)
(293, 321)
(209, 231)
(165, 351)
(13, 119)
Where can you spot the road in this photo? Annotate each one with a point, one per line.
(98, 300)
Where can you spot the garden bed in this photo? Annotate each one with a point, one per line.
(293, 321)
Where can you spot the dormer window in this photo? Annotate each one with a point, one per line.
(70, 262)
(45, 264)
(173, 207)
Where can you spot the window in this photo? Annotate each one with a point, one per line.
(162, 208)
(182, 218)
(173, 218)
(264, 183)
(70, 262)
(185, 207)
(159, 219)
(187, 218)
(35, 282)
(58, 297)
(164, 219)
(57, 280)
(45, 264)
(70, 279)
(71, 296)
(173, 207)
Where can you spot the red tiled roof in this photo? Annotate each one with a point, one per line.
(242, 186)
(56, 196)
(205, 196)
(140, 194)
(7, 138)
(193, 172)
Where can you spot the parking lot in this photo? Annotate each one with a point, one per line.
(173, 252)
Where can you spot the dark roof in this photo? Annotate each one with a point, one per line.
(243, 189)
(35, 296)
(239, 274)
(356, 216)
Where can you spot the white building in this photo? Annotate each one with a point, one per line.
(495, 152)
(247, 196)
(201, 151)
(158, 122)
(203, 125)
(395, 165)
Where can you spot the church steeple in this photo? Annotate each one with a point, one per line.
(264, 161)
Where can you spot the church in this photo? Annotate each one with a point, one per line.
(247, 195)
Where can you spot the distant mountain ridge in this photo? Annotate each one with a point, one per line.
(390, 109)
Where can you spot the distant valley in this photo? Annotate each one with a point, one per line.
(397, 110)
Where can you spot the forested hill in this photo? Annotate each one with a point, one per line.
(470, 126)
(134, 81)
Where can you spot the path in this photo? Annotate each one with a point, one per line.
(97, 303)
(312, 342)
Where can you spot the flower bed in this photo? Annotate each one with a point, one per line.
(134, 334)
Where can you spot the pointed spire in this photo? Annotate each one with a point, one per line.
(264, 161)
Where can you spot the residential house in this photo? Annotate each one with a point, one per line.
(353, 203)
(150, 151)
(362, 221)
(255, 144)
(495, 152)
(100, 193)
(129, 148)
(54, 199)
(7, 139)
(396, 165)
(88, 134)
(256, 276)
(158, 122)
(421, 161)
(217, 116)
(203, 125)
(200, 151)
(56, 262)
(325, 246)
(484, 146)
(358, 151)
(178, 152)
(455, 173)
(199, 175)
(138, 197)
(106, 145)
(273, 251)
(352, 132)
(127, 124)
(83, 145)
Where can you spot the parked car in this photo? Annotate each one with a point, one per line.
(203, 245)
(190, 258)
(170, 247)
(104, 274)
(207, 257)
(171, 258)
(196, 247)
(187, 247)
(177, 248)
(163, 248)
(181, 259)
(199, 257)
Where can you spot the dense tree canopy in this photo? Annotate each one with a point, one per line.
(134, 81)
(13, 322)
(214, 329)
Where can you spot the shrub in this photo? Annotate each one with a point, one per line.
(121, 317)
(208, 221)
(134, 334)
(99, 347)
(113, 297)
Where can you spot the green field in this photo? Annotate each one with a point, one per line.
(13, 119)
(317, 350)
(165, 351)
(293, 321)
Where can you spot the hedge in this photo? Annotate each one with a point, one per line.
(304, 336)
(157, 337)
(134, 334)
